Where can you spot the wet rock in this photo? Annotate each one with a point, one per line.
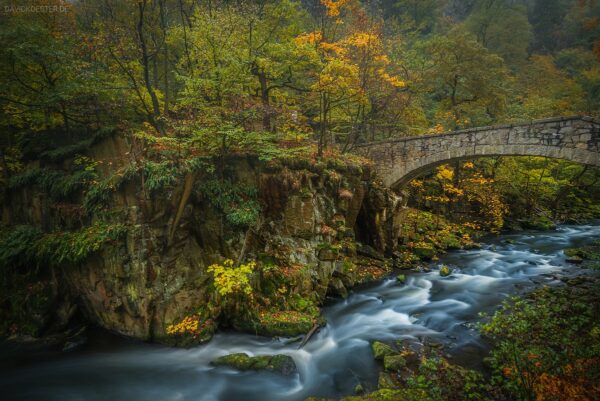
(445, 271)
(576, 281)
(381, 350)
(401, 278)
(278, 363)
(575, 260)
(76, 340)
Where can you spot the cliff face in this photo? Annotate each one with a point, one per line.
(308, 222)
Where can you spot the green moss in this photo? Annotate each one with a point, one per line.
(424, 251)
(392, 395)
(241, 361)
(445, 271)
(541, 223)
(284, 323)
(385, 380)
(393, 362)
(381, 350)
(590, 252)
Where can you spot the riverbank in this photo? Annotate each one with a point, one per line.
(339, 357)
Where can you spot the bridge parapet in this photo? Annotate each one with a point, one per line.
(572, 138)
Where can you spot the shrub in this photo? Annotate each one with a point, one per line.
(547, 347)
(237, 202)
(230, 280)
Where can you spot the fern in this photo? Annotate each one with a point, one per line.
(237, 202)
(26, 245)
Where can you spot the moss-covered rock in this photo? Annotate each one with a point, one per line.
(385, 380)
(541, 223)
(286, 323)
(401, 278)
(445, 271)
(279, 363)
(393, 362)
(590, 252)
(588, 256)
(380, 350)
(390, 395)
(424, 251)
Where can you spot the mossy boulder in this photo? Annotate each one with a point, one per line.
(541, 223)
(445, 271)
(393, 363)
(590, 252)
(278, 363)
(424, 252)
(386, 381)
(450, 242)
(401, 278)
(575, 259)
(280, 323)
(381, 350)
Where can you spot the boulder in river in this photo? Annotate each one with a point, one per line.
(278, 363)
(380, 350)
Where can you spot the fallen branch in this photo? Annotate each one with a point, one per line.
(312, 331)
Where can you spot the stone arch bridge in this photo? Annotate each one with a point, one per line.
(400, 160)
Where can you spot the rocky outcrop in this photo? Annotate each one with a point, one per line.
(310, 216)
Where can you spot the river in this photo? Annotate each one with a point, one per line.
(440, 309)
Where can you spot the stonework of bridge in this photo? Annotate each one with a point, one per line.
(571, 138)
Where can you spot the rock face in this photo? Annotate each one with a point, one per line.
(309, 217)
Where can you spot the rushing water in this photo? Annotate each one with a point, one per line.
(333, 361)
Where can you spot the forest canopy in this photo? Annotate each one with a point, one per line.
(341, 72)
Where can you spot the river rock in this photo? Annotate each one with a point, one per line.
(393, 362)
(279, 363)
(445, 271)
(575, 259)
(380, 350)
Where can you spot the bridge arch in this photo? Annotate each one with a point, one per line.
(571, 138)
